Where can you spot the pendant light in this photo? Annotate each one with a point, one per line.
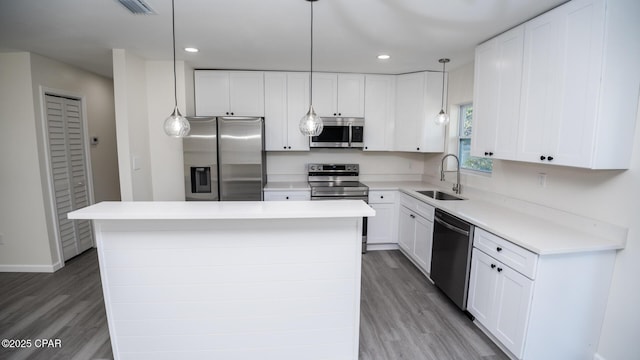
(175, 125)
(311, 123)
(443, 117)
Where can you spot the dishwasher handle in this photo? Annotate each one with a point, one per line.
(451, 227)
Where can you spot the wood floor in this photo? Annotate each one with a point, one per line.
(403, 316)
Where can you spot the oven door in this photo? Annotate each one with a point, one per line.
(364, 198)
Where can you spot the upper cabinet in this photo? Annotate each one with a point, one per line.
(496, 95)
(578, 91)
(229, 93)
(338, 94)
(286, 101)
(379, 112)
(418, 101)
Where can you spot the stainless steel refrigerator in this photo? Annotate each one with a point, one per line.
(224, 159)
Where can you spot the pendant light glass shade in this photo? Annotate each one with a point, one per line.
(442, 118)
(175, 125)
(311, 123)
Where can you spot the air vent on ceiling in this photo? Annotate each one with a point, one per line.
(138, 7)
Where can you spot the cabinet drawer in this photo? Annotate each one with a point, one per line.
(382, 197)
(423, 209)
(519, 259)
(286, 195)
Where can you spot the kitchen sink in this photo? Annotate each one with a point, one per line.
(439, 195)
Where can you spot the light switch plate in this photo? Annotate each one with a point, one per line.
(542, 180)
(135, 163)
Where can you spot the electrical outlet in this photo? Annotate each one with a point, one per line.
(542, 180)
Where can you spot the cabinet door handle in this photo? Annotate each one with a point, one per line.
(486, 153)
(498, 249)
(284, 147)
(493, 266)
(339, 114)
(334, 114)
(550, 158)
(412, 216)
(289, 147)
(418, 149)
(499, 269)
(490, 153)
(542, 157)
(286, 197)
(381, 197)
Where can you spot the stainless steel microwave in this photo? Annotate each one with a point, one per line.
(339, 132)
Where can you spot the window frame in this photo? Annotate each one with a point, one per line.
(462, 109)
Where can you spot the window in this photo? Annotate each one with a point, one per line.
(467, 161)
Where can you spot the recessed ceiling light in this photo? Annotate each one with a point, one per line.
(191, 49)
(384, 57)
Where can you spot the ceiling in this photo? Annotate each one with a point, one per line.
(264, 34)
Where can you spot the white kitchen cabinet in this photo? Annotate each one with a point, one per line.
(338, 94)
(382, 228)
(579, 85)
(500, 298)
(548, 306)
(406, 230)
(418, 101)
(415, 233)
(423, 242)
(293, 195)
(496, 95)
(286, 101)
(229, 93)
(379, 112)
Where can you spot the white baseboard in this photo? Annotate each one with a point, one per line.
(375, 247)
(597, 356)
(29, 268)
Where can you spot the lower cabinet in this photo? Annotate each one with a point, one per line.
(548, 306)
(500, 298)
(415, 234)
(287, 195)
(382, 228)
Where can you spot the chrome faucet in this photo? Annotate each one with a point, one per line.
(456, 187)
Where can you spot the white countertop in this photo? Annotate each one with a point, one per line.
(533, 233)
(287, 186)
(205, 210)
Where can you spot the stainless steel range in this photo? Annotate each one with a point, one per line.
(338, 182)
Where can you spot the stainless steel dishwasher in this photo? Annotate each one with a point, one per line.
(451, 256)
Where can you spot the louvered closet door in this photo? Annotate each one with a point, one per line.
(67, 158)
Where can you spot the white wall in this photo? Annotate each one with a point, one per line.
(23, 225)
(130, 96)
(97, 93)
(27, 216)
(144, 98)
(374, 166)
(166, 152)
(607, 196)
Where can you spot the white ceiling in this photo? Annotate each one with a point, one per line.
(265, 34)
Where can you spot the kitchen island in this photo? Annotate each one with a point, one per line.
(230, 280)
